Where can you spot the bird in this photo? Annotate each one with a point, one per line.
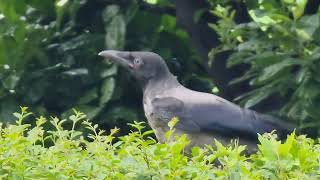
(203, 117)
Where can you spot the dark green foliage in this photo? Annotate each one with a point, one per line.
(49, 62)
(281, 45)
(47, 57)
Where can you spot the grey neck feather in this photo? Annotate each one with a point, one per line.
(160, 83)
(161, 79)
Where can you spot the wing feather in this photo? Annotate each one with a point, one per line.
(217, 117)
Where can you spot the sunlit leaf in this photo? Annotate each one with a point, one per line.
(76, 72)
(298, 8)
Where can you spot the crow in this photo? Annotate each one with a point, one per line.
(203, 117)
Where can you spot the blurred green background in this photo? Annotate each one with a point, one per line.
(261, 54)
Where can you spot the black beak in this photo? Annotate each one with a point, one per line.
(119, 57)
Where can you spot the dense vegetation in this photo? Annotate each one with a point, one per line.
(261, 54)
(72, 153)
(264, 53)
(282, 46)
(48, 53)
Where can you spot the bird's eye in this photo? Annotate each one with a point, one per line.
(137, 61)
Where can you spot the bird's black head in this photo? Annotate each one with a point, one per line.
(144, 66)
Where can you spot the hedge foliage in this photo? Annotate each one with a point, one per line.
(86, 152)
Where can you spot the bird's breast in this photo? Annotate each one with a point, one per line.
(147, 108)
(158, 126)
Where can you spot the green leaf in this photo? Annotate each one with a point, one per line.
(88, 96)
(195, 151)
(172, 123)
(257, 98)
(11, 81)
(106, 90)
(302, 74)
(289, 1)
(268, 148)
(13, 9)
(272, 70)
(76, 72)
(115, 27)
(307, 26)
(246, 76)
(115, 36)
(285, 148)
(237, 58)
(90, 111)
(168, 22)
(61, 9)
(109, 71)
(298, 8)
(110, 12)
(262, 17)
(251, 4)
(77, 42)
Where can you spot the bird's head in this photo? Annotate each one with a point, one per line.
(144, 66)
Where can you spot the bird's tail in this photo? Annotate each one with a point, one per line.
(271, 123)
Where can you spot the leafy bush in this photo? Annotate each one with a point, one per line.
(280, 43)
(28, 152)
